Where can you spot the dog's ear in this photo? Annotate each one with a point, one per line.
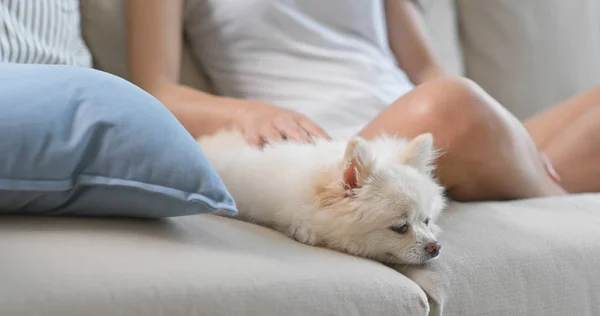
(419, 153)
(358, 163)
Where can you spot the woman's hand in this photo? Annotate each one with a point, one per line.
(261, 123)
(154, 50)
(264, 124)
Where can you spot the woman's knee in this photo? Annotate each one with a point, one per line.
(452, 106)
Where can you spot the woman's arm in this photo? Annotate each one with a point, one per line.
(155, 40)
(408, 40)
(154, 49)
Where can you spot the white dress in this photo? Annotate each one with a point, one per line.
(328, 59)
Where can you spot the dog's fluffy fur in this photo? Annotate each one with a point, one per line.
(344, 195)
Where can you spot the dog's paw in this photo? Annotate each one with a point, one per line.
(302, 234)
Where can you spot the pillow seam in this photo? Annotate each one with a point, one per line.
(90, 180)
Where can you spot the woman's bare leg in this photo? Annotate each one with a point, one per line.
(569, 134)
(487, 153)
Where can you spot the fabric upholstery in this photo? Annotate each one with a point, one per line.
(196, 265)
(530, 257)
(443, 31)
(78, 141)
(531, 54)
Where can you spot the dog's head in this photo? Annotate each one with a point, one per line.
(385, 205)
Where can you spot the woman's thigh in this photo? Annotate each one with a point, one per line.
(487, 153)
(569, 134)
(546, 125)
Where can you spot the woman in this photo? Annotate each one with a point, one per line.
(298, 69)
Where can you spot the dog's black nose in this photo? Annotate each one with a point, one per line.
(433, 248)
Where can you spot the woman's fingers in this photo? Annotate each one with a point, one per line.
(310, 127)
(258, 135)
(253, 137)
(292, 130)
(295, 127)
(270, 135)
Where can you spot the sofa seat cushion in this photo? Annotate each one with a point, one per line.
(530, 257)
(196, 265)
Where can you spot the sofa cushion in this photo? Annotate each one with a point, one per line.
(79, 141)
(531, 257)
(442, 29)
(195, 265)
(531, 54)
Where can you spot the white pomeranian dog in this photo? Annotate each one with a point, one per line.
(376, 199)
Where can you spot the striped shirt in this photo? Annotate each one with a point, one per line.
(42, 32)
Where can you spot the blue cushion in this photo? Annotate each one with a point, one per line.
(77, 141)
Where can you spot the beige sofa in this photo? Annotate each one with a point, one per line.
(531, 257)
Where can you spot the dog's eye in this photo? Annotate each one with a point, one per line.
(401, 229)
(426, 221)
